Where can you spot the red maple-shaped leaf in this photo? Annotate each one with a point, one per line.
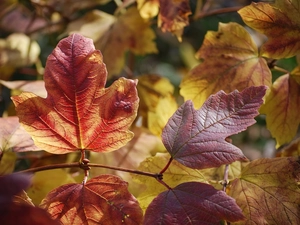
(102, 200)
(79, 112)
(196, 138)
(192, 203)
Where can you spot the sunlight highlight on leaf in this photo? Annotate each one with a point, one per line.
(282, 107)
(102, 200)
(196, 138)
(280, 22)
(196, 203)
(79, 113)
(231, 62)
(268, 192)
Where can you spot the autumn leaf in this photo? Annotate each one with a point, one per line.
(129, 32)
(148, 8)
(177, 174)
(231, 62)
(102, 200)
(196, 138)
(282, 106)
(268, 192)
(78, 113)
(192, 203)
(280, 22)
(174, 16)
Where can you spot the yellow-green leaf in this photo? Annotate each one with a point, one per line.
(231, 62)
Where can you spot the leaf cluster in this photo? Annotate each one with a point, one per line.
(91, 139)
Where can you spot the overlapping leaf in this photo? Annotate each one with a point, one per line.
(282, 108)
(231, 62)
(192, 203)
(196, 138)
(268, 192)
(79, 113)
(280, 21)
(102, 200)
(177, 174)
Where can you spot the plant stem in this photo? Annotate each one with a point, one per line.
(79, 165)
(281, 69)
(167, 166)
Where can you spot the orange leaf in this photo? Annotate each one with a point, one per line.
(280, 22)
(102, 200)
(268, 192)
(230, 62)
(282, 108)
(79, 113)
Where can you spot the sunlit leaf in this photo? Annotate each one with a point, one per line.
(78, 113)
(14, 137)
(231, 62)
(102, 200)
(148, 8)
(268, 192)
(174, 16)
(280, 22)
(196, 138)
(158, 119)
(130, 32)
(282, 106)
(41, 186)
(192, 203)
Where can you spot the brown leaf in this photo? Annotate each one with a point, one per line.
(102, 200)
(173, 16)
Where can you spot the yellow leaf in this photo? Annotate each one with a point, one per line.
(230, 62)
(44, 181)
(7, 162)
(268, 192)
(148, 8)
(151, 88)
(157, 119)
(282, 106)
(175, 175)
(94, 24)
(280, 22)
(129, 32)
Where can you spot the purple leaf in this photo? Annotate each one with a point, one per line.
(192, 203)
(196, 138)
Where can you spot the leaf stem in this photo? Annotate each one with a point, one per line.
(157, 176)
(281, 69)
(167, 166)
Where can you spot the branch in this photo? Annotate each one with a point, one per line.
(157, 176)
